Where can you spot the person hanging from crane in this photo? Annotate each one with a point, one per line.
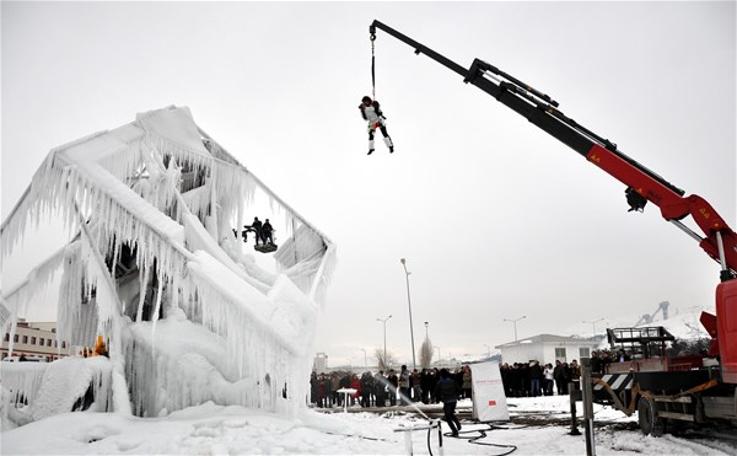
(371, 112)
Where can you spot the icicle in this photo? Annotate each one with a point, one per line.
(143, 277)
(155, 318)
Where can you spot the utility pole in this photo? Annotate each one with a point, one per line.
(409, 305)
(384, 320)
(514, 322)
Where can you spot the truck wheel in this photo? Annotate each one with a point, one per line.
(647, 415)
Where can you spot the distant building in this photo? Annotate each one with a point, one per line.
(36, 341)
(548, 348)
(320, 363)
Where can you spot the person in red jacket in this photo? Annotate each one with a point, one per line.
(356, 385)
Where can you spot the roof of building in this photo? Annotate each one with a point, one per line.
(543, 338)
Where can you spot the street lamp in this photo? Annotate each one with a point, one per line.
(384, 320)
(593, 324)
(514, 322)
(409, 305)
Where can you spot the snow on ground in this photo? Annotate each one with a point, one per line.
(217, 430)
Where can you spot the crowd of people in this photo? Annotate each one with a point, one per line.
(534, 379)
(382, 389)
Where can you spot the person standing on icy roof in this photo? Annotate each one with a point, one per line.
(256, 227)
(266, 232)
(371, 112)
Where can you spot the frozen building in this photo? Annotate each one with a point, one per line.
(156, 265)
(548, 348)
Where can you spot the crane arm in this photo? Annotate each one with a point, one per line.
(719, 241)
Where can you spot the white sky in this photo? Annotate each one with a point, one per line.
(496, 219)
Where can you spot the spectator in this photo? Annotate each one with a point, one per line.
(380, 389)
(548, 380)
(467, 386)
(536, 375)
(416, 386)
(404, 390)
(394, 382)
(559, 375)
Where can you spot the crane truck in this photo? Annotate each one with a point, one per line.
(664, 391)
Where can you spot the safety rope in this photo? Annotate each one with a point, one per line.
(373, 67)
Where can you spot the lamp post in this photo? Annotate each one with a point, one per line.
(384, 320)
(593, 325)
(514, 322)
(427, 324)
(409, 305)
(488, 350)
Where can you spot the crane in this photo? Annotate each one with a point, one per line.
(642, 185)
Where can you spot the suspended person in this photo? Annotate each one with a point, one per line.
(371, 112)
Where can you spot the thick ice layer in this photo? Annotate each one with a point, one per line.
(52, 388)
(186, 367)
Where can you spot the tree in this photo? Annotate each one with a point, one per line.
(426, 352)
(384, 364)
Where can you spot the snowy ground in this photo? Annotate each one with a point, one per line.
(213, 429)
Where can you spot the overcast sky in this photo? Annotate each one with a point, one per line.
(496, 219)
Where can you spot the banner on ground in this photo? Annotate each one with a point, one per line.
(489, 401)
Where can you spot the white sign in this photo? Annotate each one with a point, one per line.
(489, 401)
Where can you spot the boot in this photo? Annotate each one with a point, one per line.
(371, 147)
(389, 144)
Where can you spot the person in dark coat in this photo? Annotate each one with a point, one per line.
(434, 377)
(267, 233)
(559, 377)
(394, 381)
(536, 376)
(425, 385)
(367, 387)
(314, 388)
(380, 389)
(447, 391)
(256, 227)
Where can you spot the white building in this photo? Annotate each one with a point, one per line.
(35, 341)
(320, 363)
(548, 348)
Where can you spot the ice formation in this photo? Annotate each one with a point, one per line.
(155, 269)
